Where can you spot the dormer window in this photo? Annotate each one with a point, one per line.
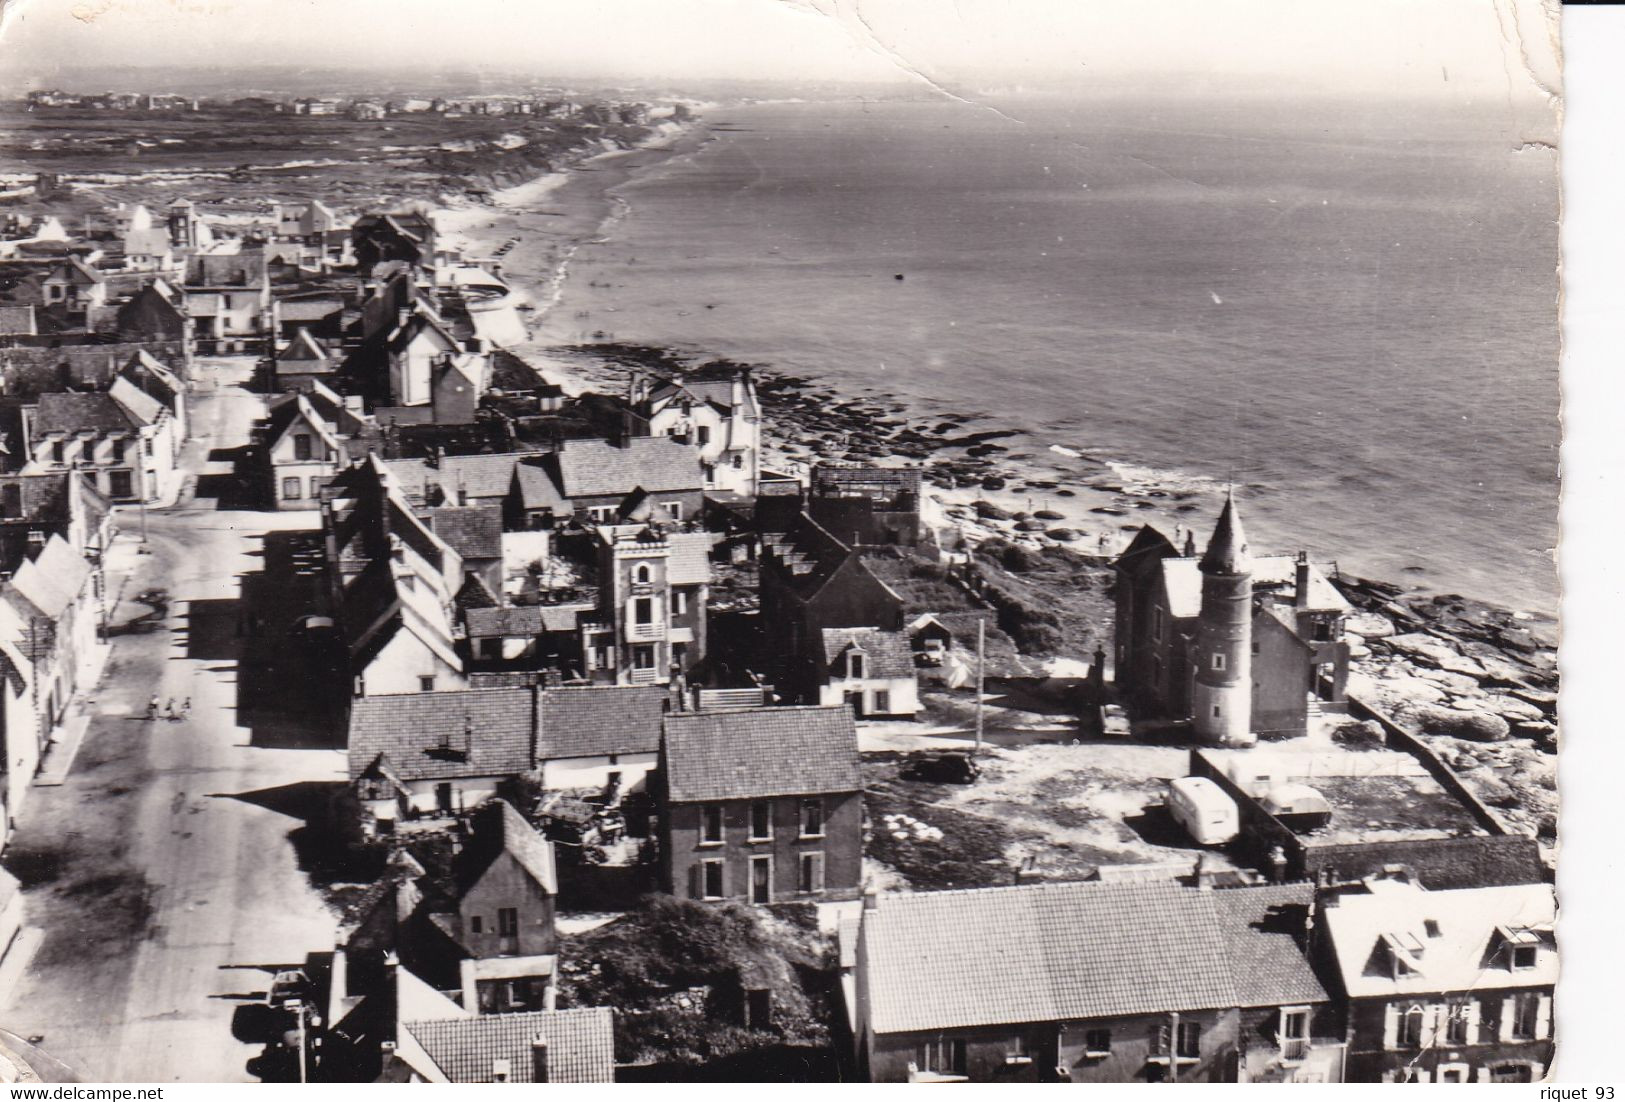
(1431, 926)
(1523, 957)
(1521, 947)
(854, 664)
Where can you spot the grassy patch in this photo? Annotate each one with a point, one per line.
(969, 854)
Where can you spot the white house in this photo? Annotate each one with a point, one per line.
(600, 736)
(871, 670)
(302, 451)
(716, 410)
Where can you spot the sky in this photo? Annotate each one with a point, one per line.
(1400, 47)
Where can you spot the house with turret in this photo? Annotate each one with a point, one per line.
(1245, 646)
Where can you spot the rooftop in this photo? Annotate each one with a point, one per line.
(580, 1045)
(760, 752)
(424, 736)
(592, 721)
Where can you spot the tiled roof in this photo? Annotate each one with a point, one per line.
(473, 531)
(434, 736)
(488, 623)
(1183, 577)
(1262, 928)
(591, 721)
(303, 349)
(53, 579)
(580, 1045)
(886, 653)
(1042, 953)
(1458, 952)
(18, 319)
(413, 476)
(760, 752)
(76, 412)
(656, 464)
(690, 561)
(479, 475)
(899, 478)
(537, 488)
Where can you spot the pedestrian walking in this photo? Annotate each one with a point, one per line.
(152, 708)
(186, 708)
(169, 710)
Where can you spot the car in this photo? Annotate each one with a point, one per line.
(949, 768)
(1114, 722)
(289, 986)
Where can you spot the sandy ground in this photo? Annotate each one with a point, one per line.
(164, 860)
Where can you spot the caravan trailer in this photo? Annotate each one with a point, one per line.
(1203, 809)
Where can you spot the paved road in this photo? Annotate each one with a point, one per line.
(167, 854)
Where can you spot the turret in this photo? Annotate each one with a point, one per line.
(1221, 696)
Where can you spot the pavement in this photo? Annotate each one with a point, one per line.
(166, 854)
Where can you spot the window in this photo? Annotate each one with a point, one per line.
(1156, 624)
(119, 484)
(1523, 957)
(1525, 1016)
(945, 1057)
(301, 446)
(292, 490)
(711, 825)
(476, 924)
(674, 510)
(812, 818)
(641, 574)
(761, 879)
(1410, 1027)
(1017, 1051)
(1097, 1042)
(507, 922)
(761, 820)
(1512, 1073)
(810, 872)
(426, 683)
(643, 657)
(882, 702)
(854, 664)
(703, 435)
(1452, 1073)
(1458, 1024)
(1294, 1032)
(116, 448)
(59, 451)
(1190, 1040)
(1323, 631)
(643, 611)
(602, 514)
(739, 462)
(1218, 661)
(679, 602)
(146, 445)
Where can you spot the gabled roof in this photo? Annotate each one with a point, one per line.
(592, 721)
(760, 752)
(1064, 952)
(657, 464)
(886, 653)
(304, 350)
(153, 377)
(444, 735)
(1263, 929)
(473, 531)
(1452, 938)
(53, 579)
(141, 407)
(499, 829)
(580, 1045)
(296, 409)
(538, 485)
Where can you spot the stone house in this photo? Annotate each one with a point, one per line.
(228, 297)
(761, 805)
(1450, 986)
(1091, 982)
(654, 590)
(610, 481)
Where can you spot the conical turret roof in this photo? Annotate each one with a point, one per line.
(1227, 551)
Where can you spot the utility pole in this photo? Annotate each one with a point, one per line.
(981, 669)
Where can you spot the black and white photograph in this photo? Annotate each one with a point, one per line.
(754, 541)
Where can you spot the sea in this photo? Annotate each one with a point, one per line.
(1347, 310)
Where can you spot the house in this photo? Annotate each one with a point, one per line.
(870, 671)
(75, 285)
(543, 1046)
(930, 638)
(609, 482)
(713, 409)
(654, 590)
(123, 438)
(761, 805)
(150, 315)
(301, 453)
(19, 321)
(437, 753)
(811, 582)
(604, 737)
(187, 231)
(1443, 986)
(307, 223)
(228, 297)
(400, 235)
(417, 370)
(54, 601)
(472, 479)
(149, 249)
(1091, 982)
(392, 583)
(866, 505)
(1246, 646)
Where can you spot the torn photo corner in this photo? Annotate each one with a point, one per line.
(794, 540)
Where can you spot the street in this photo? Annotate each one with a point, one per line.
(166, 855)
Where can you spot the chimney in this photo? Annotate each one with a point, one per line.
(462, 493)
(538, 1060)
(500, 1070)
(739, 390)
(402, 314)
(1204, 876)
(1300, 597)
(871, 899)
(1190, 544)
